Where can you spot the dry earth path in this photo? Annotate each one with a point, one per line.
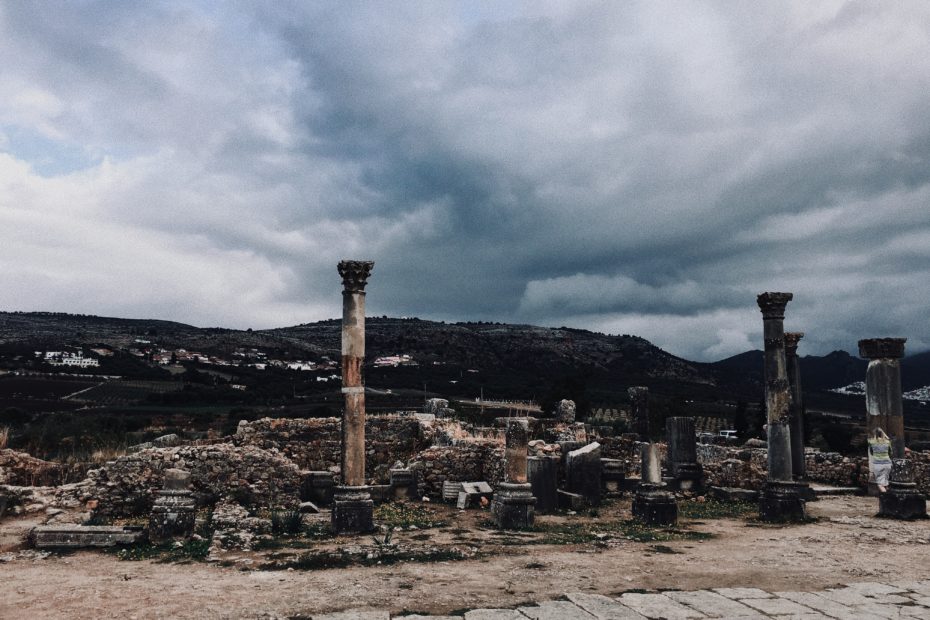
(847, 545)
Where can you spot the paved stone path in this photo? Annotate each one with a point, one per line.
(862, 601)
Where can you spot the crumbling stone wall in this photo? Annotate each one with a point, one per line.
(250, 475)
(21, 469)
(467, 461)
(316, 443)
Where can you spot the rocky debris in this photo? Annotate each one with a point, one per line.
(234, 528)
(539, 447)
(478, 460)
(165, 441)
(316, 443)
(21, 469)
(128, 485)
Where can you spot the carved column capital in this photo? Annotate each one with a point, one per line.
(791, 342)
(878, 348)
(355, 274)
(773, 304)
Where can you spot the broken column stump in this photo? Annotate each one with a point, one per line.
(512, 507)
(902, 500)
(403, 484)
(687, 473)
(639, 410)
(542, 473)
(613, 475)
(653, 503)
(583, 472)
(175, 509)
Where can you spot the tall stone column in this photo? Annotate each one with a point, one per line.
(639, 411)
(781, 499)
(883, 389)
(352, 504)
(512, 506)
(796, 409)
(683, 463)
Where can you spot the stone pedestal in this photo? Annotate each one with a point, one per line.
(353, 510)
(639, 411)
(782, 502)
(583, 472)
(687, 473)
(403, 484)
(652, 502)
(513, 506)
(542, 473)
(613, 475)
(317, 487)
(175, 509)
(903, 500)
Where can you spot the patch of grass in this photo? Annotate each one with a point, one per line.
(286, 522)
(168, 552)
(716, 509)
(632, 529)
(663, 549)
(342, 559)
(407, 516)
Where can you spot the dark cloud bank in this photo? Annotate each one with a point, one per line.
(640, 168)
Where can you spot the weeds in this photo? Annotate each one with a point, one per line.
(192, 549)
(715, 509)
(407, 516)
(288, 522)
(4, 437)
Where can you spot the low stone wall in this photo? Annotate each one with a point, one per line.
(21, 469)
(316, 443)
(467, 461)
(250, 475)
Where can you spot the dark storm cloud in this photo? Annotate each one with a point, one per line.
(637, 168)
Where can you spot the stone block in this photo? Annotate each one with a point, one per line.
(317, 487)
(583, 472)
(572, 501)
(352, 510)
(512, 507)
(542, 473)
(602, 607)
(77, 536)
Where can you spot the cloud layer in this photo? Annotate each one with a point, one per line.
(640, 168)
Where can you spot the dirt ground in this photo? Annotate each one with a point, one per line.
(846, 544)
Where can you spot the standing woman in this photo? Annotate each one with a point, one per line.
(880, 458)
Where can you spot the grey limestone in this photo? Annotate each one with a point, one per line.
(603, 607)
(659, 606)
(818, 603)
(76, 536)
(556, 610)
(742, 593)
(494, 614)
(712, 604)
(777, 606)
(354, 615)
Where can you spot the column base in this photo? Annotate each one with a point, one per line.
(173, 516)
(353, 510)
(781, 502)
(653, 505)
(513, 506)
(689, 477)
(902, 503)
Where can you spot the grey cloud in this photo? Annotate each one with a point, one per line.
(646, 167)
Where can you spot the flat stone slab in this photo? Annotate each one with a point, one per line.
(603, 607)
(776, 606)
(556, 610)
(354, 615)
(712, 603)
(874, 588)
(77, 536)
(494, 614)
(816, 602)
(822, 490)
(659, 606)
(742, 593)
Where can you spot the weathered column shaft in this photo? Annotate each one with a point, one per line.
(515, 452)
(639, 411)
(777, 392)
(883, 389)
(354, 275)
(798, 463)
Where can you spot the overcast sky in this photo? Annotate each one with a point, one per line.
(641, 168)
